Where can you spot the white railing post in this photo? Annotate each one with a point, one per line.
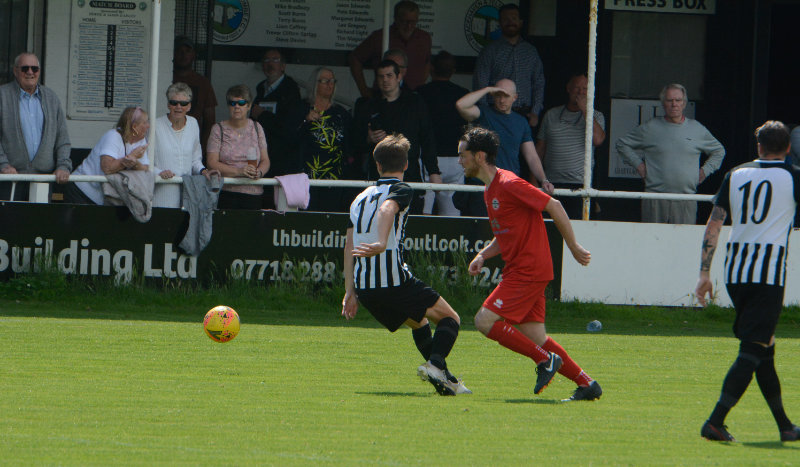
(39, 192)
(281, 203)
(588, 140)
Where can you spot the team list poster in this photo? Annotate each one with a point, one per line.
(461, 27)
(108, 63)
(347, 23)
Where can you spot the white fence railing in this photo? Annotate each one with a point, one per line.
(39, 190)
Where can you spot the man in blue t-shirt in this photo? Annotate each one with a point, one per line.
(513, 130)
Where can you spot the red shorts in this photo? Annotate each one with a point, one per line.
(520, 302)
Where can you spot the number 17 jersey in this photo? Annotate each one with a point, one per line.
(761, 198)
(387, 269)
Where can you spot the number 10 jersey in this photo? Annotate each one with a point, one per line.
(761, 198)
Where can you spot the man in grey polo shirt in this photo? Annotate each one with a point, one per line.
(665, 151)
(33, 129)
(560, 142)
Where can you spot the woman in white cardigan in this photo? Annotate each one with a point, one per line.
(177, 149)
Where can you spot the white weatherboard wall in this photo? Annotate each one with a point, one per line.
(651, 264)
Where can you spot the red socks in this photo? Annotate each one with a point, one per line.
(569, 368)
(513, 339)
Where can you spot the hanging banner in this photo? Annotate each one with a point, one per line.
(108, 58)
(460, 27)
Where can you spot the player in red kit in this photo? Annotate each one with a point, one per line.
(514, 313)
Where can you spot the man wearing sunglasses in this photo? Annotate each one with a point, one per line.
(33, 129)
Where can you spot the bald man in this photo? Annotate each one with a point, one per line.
(513, 129)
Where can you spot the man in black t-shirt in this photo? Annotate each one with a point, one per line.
(441, 95)
(397, 111)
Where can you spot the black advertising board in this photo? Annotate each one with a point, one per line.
(260, 246)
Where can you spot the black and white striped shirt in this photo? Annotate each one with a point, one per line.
(761, 197)
(387, 269)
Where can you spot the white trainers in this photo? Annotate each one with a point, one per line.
(428, 372)
(458, 387)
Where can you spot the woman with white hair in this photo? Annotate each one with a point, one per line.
(177, 150)
(324, 140)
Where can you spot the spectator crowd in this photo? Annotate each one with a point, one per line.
(281, 129)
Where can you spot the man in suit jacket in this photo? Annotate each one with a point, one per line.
(275, 98)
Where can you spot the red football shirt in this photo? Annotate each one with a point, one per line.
(515, 213)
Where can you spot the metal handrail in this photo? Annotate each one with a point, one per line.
(589, 193)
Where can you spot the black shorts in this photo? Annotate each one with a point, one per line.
(758, 307)
(393, 306)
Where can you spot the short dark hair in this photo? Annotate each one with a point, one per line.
(509, 7)
(481, 139)
(183, 40)
(443, 64)
(577, 74)
(773, 136)
(240, 90)
(392, 152)
(406, 6)
(276, 49)
(389, 63)
(396, 53)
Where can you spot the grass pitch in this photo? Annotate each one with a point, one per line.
(121, 380)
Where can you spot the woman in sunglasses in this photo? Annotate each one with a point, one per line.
(237, 147)
(121, 148)
(177, 151)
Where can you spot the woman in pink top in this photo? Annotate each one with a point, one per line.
(237, 148)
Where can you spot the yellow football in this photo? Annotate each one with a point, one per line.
(221, 323)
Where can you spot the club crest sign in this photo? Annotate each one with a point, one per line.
(230, 19)
(482, 23)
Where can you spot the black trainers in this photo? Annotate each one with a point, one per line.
(586, 393)
(791, 435)
(717, 433)
(545, 372)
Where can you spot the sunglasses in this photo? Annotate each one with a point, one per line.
(27, 68)
(180, 103)
(240, 102)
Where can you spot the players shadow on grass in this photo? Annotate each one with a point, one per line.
(531, 401)
(770, 445)
(397, 394)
